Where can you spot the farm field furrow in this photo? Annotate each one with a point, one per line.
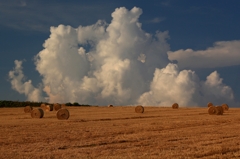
(120, 133)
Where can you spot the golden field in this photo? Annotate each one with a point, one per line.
(120, 133)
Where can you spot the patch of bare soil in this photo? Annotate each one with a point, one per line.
(120, 133)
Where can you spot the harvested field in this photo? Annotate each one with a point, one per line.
(120, 133)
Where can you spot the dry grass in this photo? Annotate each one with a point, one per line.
(120, 133)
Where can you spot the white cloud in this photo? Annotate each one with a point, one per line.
(214, 88)
(142, 58)
(117, 63)
(17, 79)
(99, 63)
(223, 53)
(170, 85)
(157, 20)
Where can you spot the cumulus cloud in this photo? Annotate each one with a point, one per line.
(101, 63)
(223, 53)
(117, 63)
(171, 85)
(19, 83)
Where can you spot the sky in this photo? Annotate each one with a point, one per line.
(121, 52)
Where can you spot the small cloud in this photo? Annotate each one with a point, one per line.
(142, 58)
(166, 3)
(22, 3)
(157, 20)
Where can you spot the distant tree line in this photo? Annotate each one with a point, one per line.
(76, 104)
(6, 103)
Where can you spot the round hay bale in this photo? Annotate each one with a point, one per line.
(37, 113)
(28, 109)
(175, 106)
(225, 107)
(56, 106)
(110, 105)
(49, 108)
(209, 104)
(220, 110)
(63, 114)
(43, 106)
(212, 110)
(63, 106)
(139, 109)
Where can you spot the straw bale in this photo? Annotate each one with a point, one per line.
(175, 106)
(43, 106)
(63, 106)
(37, 113)
(28, 109)
(209, 104)
(212, 110)
(56, 106)
(220, 110)
(63, 114)
(139, 109)
(225, 107)
(49, 108)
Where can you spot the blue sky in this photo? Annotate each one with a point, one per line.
(195, 25)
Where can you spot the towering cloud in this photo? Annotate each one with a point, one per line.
(117, 63)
